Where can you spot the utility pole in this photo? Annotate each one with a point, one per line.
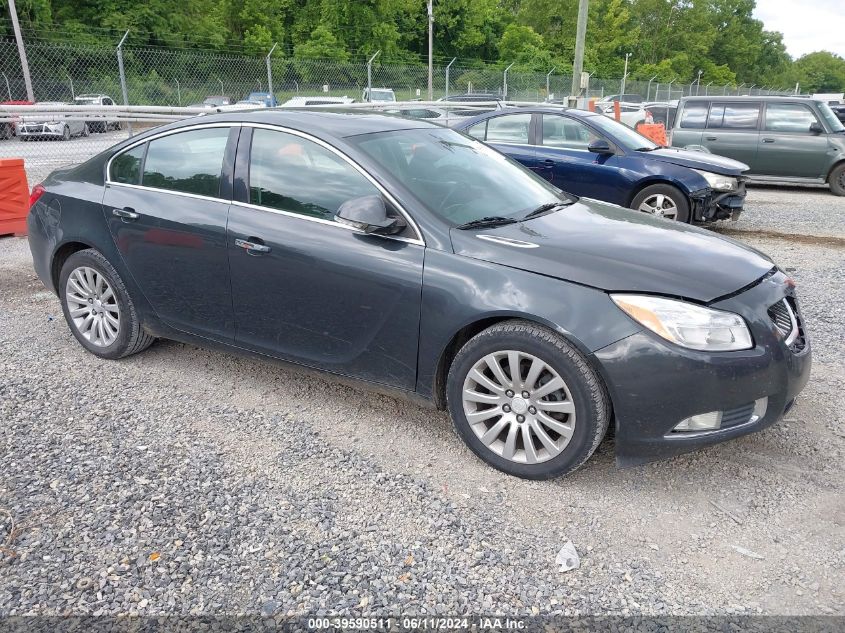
(624, 76)
(430, 51)
(21, 51)
(578, 63)
(270, 76)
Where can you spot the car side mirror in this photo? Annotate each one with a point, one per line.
(816, 128)
(600, 146)
(369, 214)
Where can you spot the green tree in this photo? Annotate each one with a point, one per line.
(321, 45)
(820, 72)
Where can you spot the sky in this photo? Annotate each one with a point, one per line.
(807, 26)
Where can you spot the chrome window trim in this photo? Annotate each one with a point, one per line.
(419, 240)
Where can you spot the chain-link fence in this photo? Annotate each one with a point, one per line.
(71, 73)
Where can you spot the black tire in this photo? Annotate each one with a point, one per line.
(673, 193)
(6, 131)
(837, 180)
(131, 337)
(589, 396)
(86, 131)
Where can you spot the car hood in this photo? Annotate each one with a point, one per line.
(697, 160)
(616, 249)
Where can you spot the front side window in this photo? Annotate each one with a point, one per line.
(734, 116)
(290, 173)
(510, 128)
(456, 177)
(694, 115)
(789, 117)
(189, 162)
(561, 131)
(126, 167)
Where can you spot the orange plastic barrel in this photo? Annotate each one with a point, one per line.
(654, 131)
(617, 111)
(14, 196)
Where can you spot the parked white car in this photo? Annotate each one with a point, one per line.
(52, 126)
(98, 100)
(631, 114)
(379, 95)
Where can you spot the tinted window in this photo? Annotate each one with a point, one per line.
(126, 167)
(293, 174)
(478, 130)
(510, 128)
(561, 131)
(694, 115)
(187, 161)
(789, 117)
(734, 116)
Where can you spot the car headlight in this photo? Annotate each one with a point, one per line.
(718, 182)
(687, 324)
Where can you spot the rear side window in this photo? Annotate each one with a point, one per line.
(734, 116)
(789, 117)
(189, 162)
(694, 115)
(510, 128)
(126, 167)
(293, 174)
(479, 130)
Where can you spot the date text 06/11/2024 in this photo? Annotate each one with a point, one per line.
(417, 623)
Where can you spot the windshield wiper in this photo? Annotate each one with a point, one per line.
(648, 149)
(544, 208)
(490, 220)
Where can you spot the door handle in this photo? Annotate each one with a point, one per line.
(548, 162)
(126, 214)
(768, 140)
(710, 138)
(253, 248)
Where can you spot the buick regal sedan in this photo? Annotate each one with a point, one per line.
(419, 261)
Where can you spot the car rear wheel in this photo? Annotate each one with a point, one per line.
(98, 308)
(837, 180)
(664, 201)
(526, 401)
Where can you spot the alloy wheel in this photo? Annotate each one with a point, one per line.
(519, 406)
(660, 205)
(92, 306)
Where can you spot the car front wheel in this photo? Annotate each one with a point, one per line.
(526, 401)
(98, 309)
(663, 201)
(837, 180)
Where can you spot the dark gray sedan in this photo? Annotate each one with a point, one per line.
(421, 262)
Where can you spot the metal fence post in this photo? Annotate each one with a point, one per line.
(505, 82)
(648, 92)
(123, 75)
(8, 88)
(548, 75)
(72, 93)
(270, 75)
(448, 66)
(178, 93)
(370, 75)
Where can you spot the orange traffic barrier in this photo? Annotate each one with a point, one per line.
(14, 196)
(617, 111)
(591, 105)
(654, 131)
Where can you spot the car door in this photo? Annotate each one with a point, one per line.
(733, 131)
(511, 135)
(687, 130)
(307, 288)
(166, 205)
(787, 146)
(568, 164)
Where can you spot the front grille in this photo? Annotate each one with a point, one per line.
(737, 416)
(787, 320)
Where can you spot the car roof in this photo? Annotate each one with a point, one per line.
(748, 98)
(324, 123)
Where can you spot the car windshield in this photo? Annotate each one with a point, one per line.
(377, 95)
(628, 138)
(456, 177)
(832, 120)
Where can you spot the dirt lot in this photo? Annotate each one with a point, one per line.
(188, 481)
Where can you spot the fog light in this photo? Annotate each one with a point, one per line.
(760, 407)
(701, 422)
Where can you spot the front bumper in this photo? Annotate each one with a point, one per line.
(40, 130)
(709, 205)
(655, 384)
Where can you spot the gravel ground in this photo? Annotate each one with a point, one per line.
(792, 211)
(185, 481)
